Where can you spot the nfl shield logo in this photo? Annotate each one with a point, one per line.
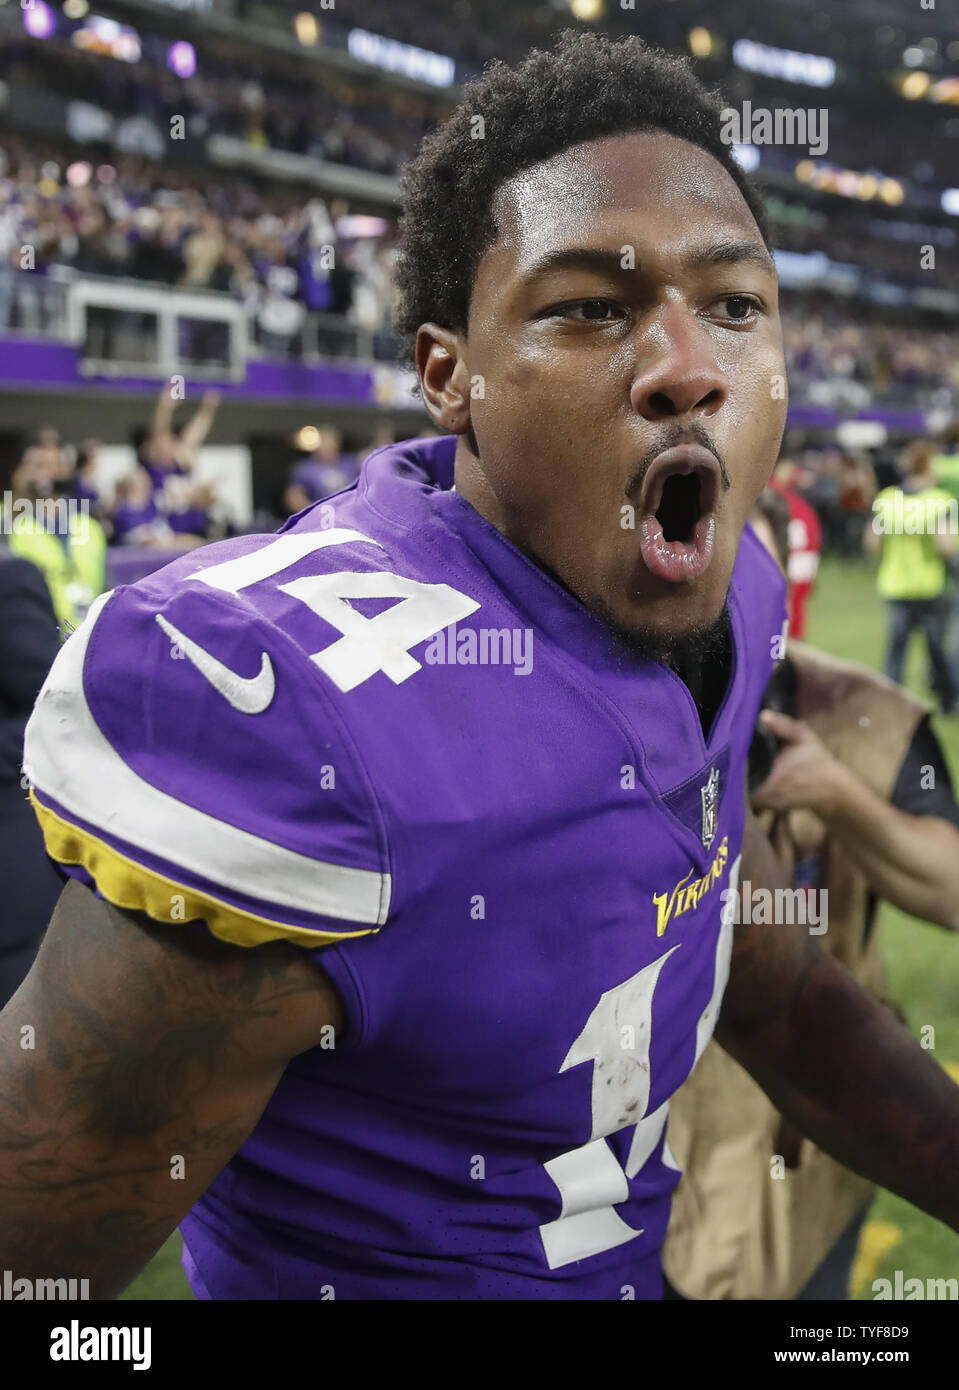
(710, 793)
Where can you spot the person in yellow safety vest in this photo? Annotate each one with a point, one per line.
(914, 529)
(58, 535)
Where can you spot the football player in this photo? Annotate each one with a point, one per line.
(405, 842)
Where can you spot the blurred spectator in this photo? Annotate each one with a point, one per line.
(819, 482)
(857, 487)
(136, 516)
(168, 458)
(84, 473)
(280, 313)
(28, 643)
(804, 544)
(325, 471)
(60, 537)
(138, 520)
(912, 531)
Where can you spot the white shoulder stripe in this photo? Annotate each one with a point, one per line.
(66, 756)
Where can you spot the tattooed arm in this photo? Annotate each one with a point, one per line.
(150, 1042)
(836, 1063)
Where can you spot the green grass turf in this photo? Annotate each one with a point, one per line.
(846, 618)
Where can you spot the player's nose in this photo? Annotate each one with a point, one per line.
(677, 371)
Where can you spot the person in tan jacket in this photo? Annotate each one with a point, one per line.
(858, 801)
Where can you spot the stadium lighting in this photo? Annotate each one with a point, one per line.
(75, 9)
(393, 56)
(946, 90)
(39, 20)
(916, 85)
(848, 183)
(587, 10)
(307, 438)
(357, 226)
(950, 201)
(181, 58)
(811, 69)
(105, 36)
(306, 29)
(913, 57)
(700, 43)
(79, 174)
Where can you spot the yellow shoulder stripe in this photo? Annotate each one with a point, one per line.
(130, 885)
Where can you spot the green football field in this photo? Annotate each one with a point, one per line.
(922, 962)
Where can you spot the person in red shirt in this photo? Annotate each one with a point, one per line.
(805, 544)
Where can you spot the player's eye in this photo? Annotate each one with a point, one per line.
(588, 311)
(740, 308)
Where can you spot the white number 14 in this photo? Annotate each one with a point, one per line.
(616, 1040)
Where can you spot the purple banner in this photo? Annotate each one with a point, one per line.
(56, 366)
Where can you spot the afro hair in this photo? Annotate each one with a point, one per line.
(587, 86)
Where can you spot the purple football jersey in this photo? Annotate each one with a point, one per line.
(387, 736)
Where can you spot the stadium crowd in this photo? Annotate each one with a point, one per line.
(286, 258)
(843, 356)
(341, 119)
(281, 255)
(336, 120)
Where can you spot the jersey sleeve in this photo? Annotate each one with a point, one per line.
(185, 761)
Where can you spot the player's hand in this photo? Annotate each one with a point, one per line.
(804, 773)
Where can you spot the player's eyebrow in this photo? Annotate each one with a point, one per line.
(605, 262)
(577, 258)
(731, 253)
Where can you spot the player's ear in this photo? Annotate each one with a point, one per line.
(444, 377)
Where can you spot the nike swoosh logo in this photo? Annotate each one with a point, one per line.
(248, 694)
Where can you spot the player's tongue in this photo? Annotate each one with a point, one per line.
(677, 528)
(677, 560)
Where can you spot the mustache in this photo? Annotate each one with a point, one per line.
(671, 438)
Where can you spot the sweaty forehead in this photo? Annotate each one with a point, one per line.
(650, 187)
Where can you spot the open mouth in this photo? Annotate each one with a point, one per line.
(677, 508)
